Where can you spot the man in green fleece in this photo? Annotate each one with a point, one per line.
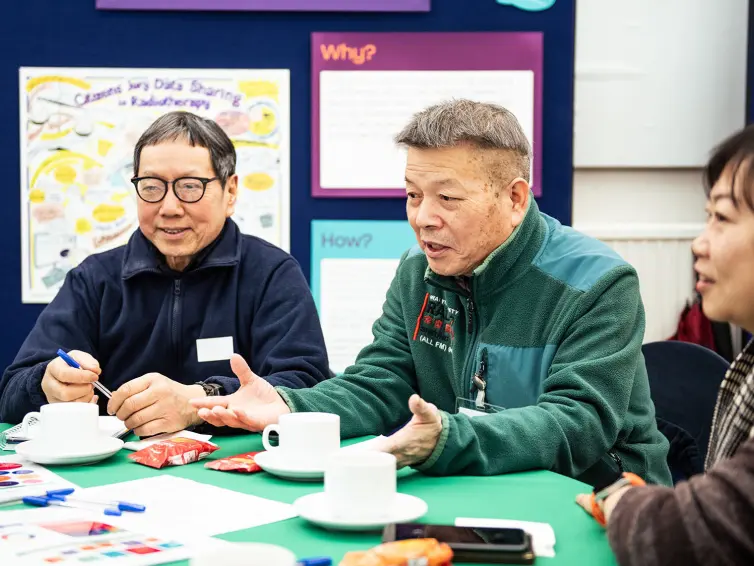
(507, 341)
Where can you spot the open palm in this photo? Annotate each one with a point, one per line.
(255, 405)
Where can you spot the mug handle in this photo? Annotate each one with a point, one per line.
(266, 436)
(26, 423)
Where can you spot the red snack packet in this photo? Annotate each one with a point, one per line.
(243, 463)
(173, 452)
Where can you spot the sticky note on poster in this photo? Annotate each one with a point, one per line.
(528, 5)
(352, 265)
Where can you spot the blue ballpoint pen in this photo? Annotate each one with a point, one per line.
(318, 561)
(74, 364)
(65, 495)
(41, 501)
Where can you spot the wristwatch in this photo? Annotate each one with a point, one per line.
(211, 389)
(627, 478)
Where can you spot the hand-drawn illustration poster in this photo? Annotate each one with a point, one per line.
(78, 131)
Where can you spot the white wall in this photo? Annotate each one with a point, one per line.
(658, 84)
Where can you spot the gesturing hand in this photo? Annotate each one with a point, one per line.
(416, 441)
(255, 405)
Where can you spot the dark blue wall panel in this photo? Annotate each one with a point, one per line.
(72, 33)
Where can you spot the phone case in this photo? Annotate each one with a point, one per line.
(477, 556)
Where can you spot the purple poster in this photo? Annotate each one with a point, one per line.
(366, 86)
(270, 5)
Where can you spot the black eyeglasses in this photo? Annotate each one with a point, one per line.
(186, 189)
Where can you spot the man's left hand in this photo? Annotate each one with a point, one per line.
(416, 441)
(154, 404)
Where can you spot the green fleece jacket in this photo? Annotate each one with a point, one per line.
(554, 321)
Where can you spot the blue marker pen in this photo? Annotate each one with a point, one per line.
(74, 364)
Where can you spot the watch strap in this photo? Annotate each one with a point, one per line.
(211, 389)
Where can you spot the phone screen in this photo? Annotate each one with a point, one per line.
(514, 539)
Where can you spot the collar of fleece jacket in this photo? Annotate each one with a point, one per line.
(505, 264)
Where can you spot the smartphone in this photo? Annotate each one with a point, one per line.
(470, 544)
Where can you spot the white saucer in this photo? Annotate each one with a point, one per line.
(277, 465)
(42, 453)
(314, 508)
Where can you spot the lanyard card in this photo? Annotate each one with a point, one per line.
(471, 408)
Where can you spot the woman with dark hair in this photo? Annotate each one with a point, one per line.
(709, 519)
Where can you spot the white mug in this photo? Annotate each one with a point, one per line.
(244, 554)
(361, 485)
(305, 437)
(64, 424)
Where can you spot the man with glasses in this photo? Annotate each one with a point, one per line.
(157, 320)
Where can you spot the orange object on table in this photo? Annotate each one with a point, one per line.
(243, 463)
(402, 553)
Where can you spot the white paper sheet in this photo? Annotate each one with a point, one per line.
(204, 510)
(37, 537)
(351, 298)
(361, 111)
(542, 534)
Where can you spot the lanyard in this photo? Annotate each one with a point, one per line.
(479, 381)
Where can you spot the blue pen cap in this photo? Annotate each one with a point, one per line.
(112, 511)
(60, 494)
(36, 500)
(317, 561)
(132, 507)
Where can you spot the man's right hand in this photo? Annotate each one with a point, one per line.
(62, 384)
(255, 405)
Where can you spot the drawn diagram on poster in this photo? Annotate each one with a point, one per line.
(78, 130)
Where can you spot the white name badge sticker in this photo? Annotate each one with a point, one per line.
(214, 349)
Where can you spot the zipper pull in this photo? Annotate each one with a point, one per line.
(470, 326)
(479, 381)
(177, 287)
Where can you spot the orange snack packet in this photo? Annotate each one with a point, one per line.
(243, 463)
(173, 452)
(424, 551)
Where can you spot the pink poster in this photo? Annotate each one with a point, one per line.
(366, 86)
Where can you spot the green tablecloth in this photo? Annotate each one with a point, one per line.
(532, 496)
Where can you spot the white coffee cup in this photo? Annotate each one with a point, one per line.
(361, 485)
(305, 437)
(65, 424)
(245, 554)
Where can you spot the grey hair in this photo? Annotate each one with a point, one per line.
(486, 125)
(197, 131)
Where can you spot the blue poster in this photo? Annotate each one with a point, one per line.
(356, 239)
(353, 264)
